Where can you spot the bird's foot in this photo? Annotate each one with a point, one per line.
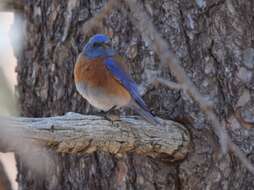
(113, 118)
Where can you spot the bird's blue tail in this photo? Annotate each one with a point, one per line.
(144, 113)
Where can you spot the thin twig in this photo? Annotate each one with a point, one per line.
(167, 57)
(96, 21)
(11, 5)
(160, 46)
(155, 82)
(171, 84)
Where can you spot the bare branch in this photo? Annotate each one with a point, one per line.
(171, 84)
(11, 5)
(96, 21)
(237, 151)
(75, 133)
(160, 46)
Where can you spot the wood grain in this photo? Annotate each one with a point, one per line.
(76, 133)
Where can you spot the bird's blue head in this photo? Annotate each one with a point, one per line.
(98, 45)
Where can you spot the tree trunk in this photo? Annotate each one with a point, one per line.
(214, 41)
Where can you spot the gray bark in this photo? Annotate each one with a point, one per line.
(214, 41)
(75, 133)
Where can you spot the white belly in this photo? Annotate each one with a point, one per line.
(99, 99)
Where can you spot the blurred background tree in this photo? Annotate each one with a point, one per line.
(7, 99)
(4, 181)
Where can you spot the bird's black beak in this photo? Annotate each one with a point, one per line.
(107, 45)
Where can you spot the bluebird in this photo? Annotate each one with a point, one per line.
(102, 78)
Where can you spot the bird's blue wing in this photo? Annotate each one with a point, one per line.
(125, 79)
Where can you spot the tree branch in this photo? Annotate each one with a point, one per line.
(75, 133)
(167, 57)
(11, 5)
(96, 21)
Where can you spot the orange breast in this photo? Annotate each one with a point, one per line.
(94, 73)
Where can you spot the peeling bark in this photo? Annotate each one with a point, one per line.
(75, 133)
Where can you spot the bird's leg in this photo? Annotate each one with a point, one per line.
(111, 109)
(111, 117)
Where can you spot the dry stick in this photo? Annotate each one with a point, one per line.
(97, 20)
(170, 84)
(76, 133)
(142, 21)
(159, 45)
(11, 5)
(148, 31)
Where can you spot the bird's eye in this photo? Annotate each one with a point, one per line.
(106, 45)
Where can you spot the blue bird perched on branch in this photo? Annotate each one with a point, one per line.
(102, 78)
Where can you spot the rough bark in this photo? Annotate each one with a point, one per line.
(215, 42)
(75, 133)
